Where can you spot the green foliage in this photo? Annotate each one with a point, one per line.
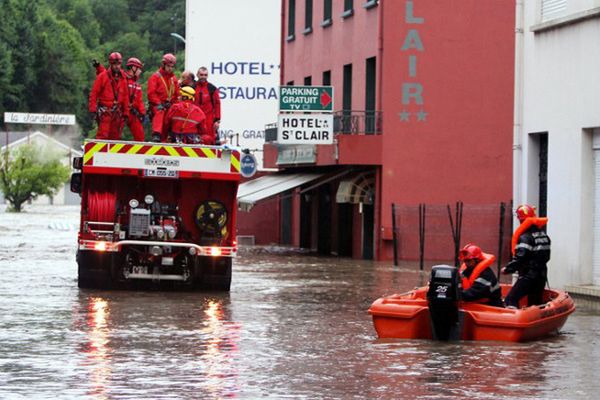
(46, 48)
(29, 172)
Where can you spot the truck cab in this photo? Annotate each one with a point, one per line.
(156, 214)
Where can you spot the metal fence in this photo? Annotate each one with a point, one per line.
(435, 233)
(351, 122)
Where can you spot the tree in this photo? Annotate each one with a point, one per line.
(30, 172)
(61, 68)
(79, 13)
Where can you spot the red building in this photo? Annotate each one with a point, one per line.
(424, 93)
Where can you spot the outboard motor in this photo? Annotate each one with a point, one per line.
(443, 296)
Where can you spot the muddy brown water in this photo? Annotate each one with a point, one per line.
(293, 326)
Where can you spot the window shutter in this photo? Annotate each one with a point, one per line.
(553, 9)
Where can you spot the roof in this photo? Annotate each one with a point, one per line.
(15, 139)
(251, 192)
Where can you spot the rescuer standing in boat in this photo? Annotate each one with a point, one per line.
(479, 283)
(530, 251)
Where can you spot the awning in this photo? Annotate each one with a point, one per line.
(360, 189)
(251, 192)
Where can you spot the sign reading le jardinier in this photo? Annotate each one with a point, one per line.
(305, 129)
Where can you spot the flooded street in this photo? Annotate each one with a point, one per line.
(293, 326)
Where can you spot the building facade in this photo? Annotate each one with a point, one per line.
(557, 130)
(423, 93)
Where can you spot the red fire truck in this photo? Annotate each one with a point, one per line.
(156, 214)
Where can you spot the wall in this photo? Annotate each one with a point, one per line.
(561, 97)
(346, 41)
(238, 41)
(448, 77)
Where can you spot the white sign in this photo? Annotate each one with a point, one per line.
(305, 129)
(238, 41)
(42, 119)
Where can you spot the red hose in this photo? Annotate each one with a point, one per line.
(101, 206)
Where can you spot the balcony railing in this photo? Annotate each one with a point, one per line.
(351, 122)
(345, 122)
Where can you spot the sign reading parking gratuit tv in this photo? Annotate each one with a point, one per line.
(306, 98)
(305, 129)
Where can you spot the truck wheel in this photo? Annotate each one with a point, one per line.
(93, 270)
(213, 273)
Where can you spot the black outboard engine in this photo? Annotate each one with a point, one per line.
(443, 296)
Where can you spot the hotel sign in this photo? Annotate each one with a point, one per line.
(305, 129)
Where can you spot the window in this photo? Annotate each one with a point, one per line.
(326, 13)
(370, 88)
(326, 78)
(346, 120)
(308, 16)
(370, 4)
(291, 20)
(290, 83)
(348, 8)
(307, 81)
(347, 88)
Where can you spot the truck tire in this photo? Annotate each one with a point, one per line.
(93, 270)
(213, 273)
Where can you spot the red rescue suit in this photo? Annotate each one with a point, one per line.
(209, 100)
(138, 111)
(163, 90)
(109, 100)
(185, 122)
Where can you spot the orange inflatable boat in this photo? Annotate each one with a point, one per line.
(419, 314)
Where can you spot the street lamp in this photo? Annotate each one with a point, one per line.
(178, 37)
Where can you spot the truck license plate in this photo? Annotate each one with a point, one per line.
(161, 173)
(138, 269)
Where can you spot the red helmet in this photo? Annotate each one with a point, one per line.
(525, 211)
(134, 62)
(169, 59)
(115, 58)
(470, 252)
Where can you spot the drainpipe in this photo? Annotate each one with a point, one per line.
(378, 253)
(518, 106)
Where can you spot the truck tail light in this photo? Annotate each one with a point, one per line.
(100, 246)
(215, 251)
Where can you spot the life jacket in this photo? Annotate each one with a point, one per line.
(488, 259)
(539, 222)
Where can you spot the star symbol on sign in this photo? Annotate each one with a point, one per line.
(422, 116)
(404, 115)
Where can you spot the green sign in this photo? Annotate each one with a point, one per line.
(306, 98)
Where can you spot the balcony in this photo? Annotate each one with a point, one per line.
(357, 142)
(350, 122)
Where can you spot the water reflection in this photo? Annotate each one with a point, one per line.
(219, 338)
(97, 347)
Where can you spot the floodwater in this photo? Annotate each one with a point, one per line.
(293, 326)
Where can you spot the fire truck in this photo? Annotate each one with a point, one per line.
(156, 215)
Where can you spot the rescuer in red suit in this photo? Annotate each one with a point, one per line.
(209, 100)
(109, 103)
(185, 121)
(133, 70)
(163, 90)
